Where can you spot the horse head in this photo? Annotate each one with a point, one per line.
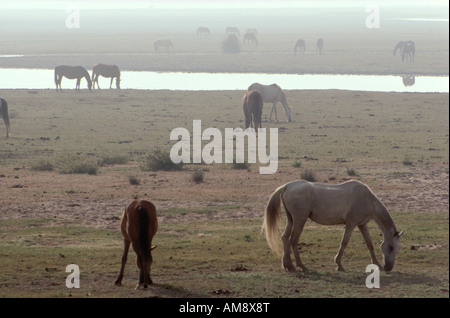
(389, 248)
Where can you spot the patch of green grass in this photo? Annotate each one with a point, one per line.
(227, 258)
(75, 163)
(160, 159)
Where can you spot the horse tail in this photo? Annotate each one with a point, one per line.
(143, 239)
(4, 115)
(271, 217)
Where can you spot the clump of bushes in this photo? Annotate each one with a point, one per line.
(160, 160)
(75, 163)
(197, 175)
(308, 175)
(112, 160)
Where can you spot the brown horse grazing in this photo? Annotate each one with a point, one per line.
(105, 70)
(71, 72)
(138, 225)
(252, 103)
(4, 115)
(351, 203)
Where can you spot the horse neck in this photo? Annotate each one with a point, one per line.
(383, 218)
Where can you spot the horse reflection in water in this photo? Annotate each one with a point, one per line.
(409, 80)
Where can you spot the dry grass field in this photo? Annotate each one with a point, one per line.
(209, 239)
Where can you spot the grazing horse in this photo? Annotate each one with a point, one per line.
(409, 50)
(351, 203)
(319, 46)
(232, 30)
(273, 94)
(4, 115)
(252, 103)
(138, 225)
(300, 44)
(250, 39)
(163, 43)
(71, 72)
(203, 31)
(106, 70)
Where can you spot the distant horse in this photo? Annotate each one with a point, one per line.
(273, 94)
(163, 43)
(203, 31)
(252, 30)
(4, 115)
(300, 44)
(409, 50)
(320, 46)
(252, 103)
(138, 225)
(351, 203)
(106, 70)
(232, 30)
(250, 39)
(409, 80)
(71, 72)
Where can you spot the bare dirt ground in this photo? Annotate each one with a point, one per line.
(97, 201)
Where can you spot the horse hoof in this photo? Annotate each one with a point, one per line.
(340, 269)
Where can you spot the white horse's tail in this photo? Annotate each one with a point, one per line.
(271, 218)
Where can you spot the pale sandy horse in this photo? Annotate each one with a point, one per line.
(71, 72)
(252, 104)
(299, 45)
(351, 203)
(138, 226)
(250, 39)
(273, 94)
(320, 46)
(105, 70)
(4, 115)
(166, 43)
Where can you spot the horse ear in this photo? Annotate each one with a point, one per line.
(398, 234)
(153, 247)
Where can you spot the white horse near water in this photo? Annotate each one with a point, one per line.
(351, 203)
(273, 94)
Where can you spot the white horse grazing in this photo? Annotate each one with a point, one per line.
(273, 94)
(351, 203)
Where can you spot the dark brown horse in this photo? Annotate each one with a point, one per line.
(71, 72)
(138, 225)
(4, 115)
(105, 70)
(252, 103)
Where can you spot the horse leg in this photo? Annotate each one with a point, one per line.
(345, 239)
(124, 261)
(365, 233)
(110, 85)
(287, 261)
(298, 228)
(140, 265)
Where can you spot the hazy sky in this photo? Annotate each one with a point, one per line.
(186, 4)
